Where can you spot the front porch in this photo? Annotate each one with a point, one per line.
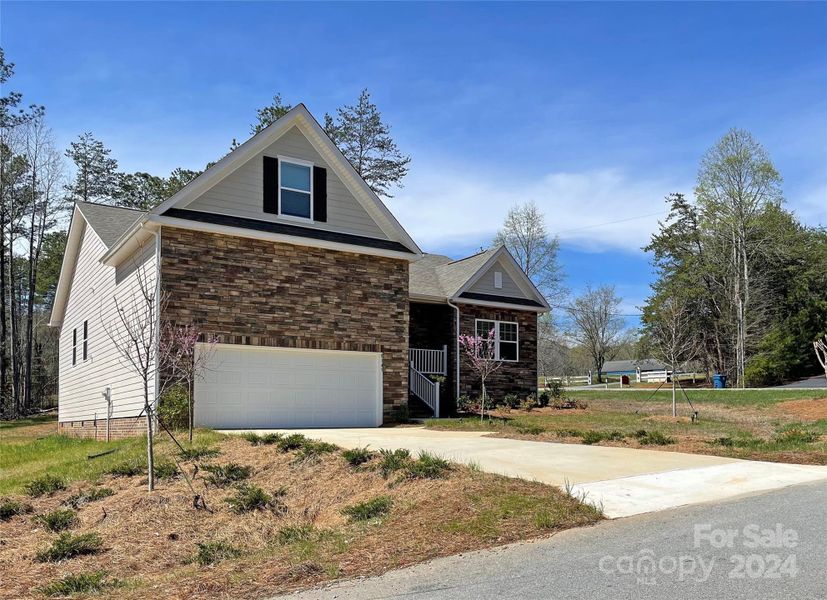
(431, 356)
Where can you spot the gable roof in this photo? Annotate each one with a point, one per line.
(645, 364)
(440, 277)
(299, 117)
(109, 222)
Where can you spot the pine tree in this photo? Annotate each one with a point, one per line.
(365, 141)
(96, 174)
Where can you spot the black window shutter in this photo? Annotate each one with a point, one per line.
(74, 346)
(85, 339)
(320, 194)
(271, 185)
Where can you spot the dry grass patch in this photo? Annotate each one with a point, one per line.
(167, 548)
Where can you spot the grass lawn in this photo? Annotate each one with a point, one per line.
(775, 425)
(280, 515)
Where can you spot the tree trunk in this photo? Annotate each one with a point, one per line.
(674, 402)
(150, 461)
(27, 346)
(3, 326)
(190, 399)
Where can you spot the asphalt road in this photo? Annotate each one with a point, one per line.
(768, 546)
(817, 382)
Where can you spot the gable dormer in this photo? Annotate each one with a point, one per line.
(291, 181)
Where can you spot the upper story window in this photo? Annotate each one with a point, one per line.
(295, 188)
(498, 280)
(506, 338)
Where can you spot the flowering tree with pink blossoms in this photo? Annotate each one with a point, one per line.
(186, 362)
(480, 354)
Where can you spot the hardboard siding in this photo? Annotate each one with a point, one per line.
(92, 298)
(255, 292)
(485, 284)
(242, 192)
(512, 377)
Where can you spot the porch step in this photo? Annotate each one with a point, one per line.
(417, 409)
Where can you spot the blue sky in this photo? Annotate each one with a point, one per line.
(594, 111)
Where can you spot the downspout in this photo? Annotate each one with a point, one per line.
(157, 234)
(456, 351)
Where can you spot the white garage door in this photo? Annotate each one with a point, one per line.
(248, 387)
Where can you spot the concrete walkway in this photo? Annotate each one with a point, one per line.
(624, 481)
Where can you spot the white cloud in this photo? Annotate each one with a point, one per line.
(597, 210)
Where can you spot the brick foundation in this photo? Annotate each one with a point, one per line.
(119, 428)
(254, 292)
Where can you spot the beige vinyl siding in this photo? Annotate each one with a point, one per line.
(485, 284)
(92, 298)
(241, 193)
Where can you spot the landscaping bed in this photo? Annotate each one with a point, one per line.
(774, 425)
(275, 514)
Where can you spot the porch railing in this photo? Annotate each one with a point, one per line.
(424, 389)
(429, 362)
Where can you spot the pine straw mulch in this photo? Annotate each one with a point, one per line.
(150, 539)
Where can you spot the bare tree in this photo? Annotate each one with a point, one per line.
(525, 236)
(135, 334)
(821, 352)
(596, 324)
(672, 338)
(479, 353)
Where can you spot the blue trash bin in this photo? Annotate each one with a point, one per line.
(718, 381)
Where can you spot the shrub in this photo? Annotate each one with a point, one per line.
(529, 402)
(173, 411)
(58, 520)
(393, 460)
(427, 466)
(164, 469)
(727, 442)
(530, 429)
(369, 509)
(796, 435)
(511, 401)
(465, 404)
(653, 438)
(84, 497)
(555, 388)
(251, 497)
(591, 437)
(209, 553)
(11, 508)
(68, 545)
(198, 453)
(45, 485)
(222, 475)
(312, 451)
(295, 533)
(543, 399)
(294, 441)
(128, 468)
(356, 457)
(83, 583)
(262, 440)
(568, 432)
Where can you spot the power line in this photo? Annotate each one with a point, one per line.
(662, 212)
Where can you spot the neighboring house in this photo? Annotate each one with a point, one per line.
(326, 312)
(630, 367)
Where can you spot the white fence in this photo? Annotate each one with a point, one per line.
(424, 389)
(429, 362)
(572, 379)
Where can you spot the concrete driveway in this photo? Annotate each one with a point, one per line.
(624, 481)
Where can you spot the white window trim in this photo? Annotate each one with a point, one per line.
(302, 163)
(497, 337)
(74, 346)
(498, 280)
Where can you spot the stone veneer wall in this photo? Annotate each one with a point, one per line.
(122, 427)
(254, 292)
(512, 377)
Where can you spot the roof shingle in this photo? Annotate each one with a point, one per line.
(109, 222)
